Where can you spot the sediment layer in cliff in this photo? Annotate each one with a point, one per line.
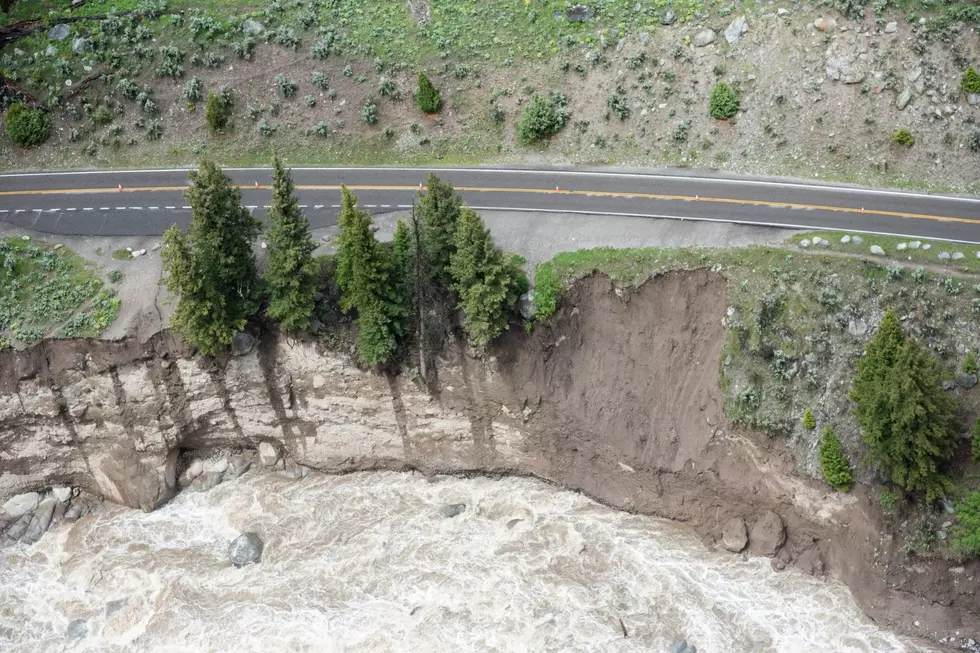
(618, 396)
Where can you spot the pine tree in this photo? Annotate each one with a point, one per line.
(833, 462)
(975, 443)
(906, 419)
(290, 277)
(427, 96)
(488, 285)
(438, 210)
(211, 269)
(366, 277)
(809, 421)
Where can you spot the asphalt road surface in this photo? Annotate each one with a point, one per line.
(146, 202)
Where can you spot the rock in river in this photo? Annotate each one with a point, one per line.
(246, 549)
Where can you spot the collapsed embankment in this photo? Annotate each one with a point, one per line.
(618, 396)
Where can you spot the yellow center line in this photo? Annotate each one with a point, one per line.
(537, 191)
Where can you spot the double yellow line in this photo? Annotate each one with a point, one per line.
(537, 191)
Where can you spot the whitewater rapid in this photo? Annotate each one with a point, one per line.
(367, 562)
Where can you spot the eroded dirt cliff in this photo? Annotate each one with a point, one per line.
(618, 397)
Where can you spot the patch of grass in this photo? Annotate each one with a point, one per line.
(46, 291)
(122, 254)
(969, 263)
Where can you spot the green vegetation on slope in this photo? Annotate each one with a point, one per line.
(50, 292)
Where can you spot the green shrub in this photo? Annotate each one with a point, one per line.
(115, 276)
(541, 118)
(975, 443)
(194, 90)
(122, 254)
(809, 421)
(970, 363)
(971, 81)
(369, 112)
(387, 87)
(724, 101)
(217, 112)
(320, 80)
(618, 103)
(834, 463)
(286, 87)
(964, 534)
(26, 127)
(427, 96)
(903, 137)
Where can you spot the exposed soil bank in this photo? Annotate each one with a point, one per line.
(617, 397)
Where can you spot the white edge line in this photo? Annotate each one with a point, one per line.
(575, 173)
(751, 223)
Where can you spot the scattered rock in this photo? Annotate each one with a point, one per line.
(155, 247)
(822, 242)
(246, 549)
(252, 27)
(451, 510)
(845, 239)
(944, 256)
(782, 11)
(50, 51)
(59, 32)
(669, 17)
(683, 647)
(138, 253)
(857, 240)
(927, 246)
(40, 521)
(857, 328)
(958, 255)
(527, 306)
(80, 45)
(901, 246)
(848, 61)
(891, 28)
(578, 14)
(949, 385)
(825, 24)
(112, 607)
(915, 244)
(914, 75)
(62, 494)
(768, 534)
(22, 504)
(704, 37)
(77, 629)
(966, 380)
(292, 469)
(735, 535)
(268, 454)
(736, 30)
(904, 98)
(973, 99)
(876, 249)
(242, 343)
(805, 243)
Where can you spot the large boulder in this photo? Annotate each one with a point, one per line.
(246, 549)
(453, 510)
(768, 534)
(242, 343)
(80, 45)
(704, 37)
(59, 32)
(578, 14)
(736, 30)
(22, 504)
(669, 17)
(734, 535)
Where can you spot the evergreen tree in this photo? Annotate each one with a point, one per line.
(833, 462)
(401, 255)
(427, 96)
(906, 419)
(366, 277)
(438, 210)
(488, 284)
(809, 421)
(975, 443)
(211, 269)
(290, 277)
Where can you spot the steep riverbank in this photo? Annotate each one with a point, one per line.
(618, 397)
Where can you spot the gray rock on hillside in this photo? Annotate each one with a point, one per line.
(242, 343)
(891, 28)
(578, 14)
(877, 250)
(704, 38)
(768, 534)
(683, 647)
(59, 32)
(669, 17)
(80, 45)
(734, 535)
(451, 510)
(736, 30)
(246, 549)
(904, 98)
(848, 61)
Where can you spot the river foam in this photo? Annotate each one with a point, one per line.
(367, 562)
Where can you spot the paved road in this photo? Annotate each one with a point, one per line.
(91, 203)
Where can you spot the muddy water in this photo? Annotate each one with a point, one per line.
(366, 562)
